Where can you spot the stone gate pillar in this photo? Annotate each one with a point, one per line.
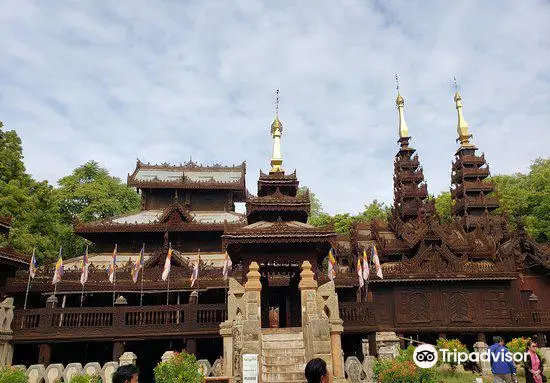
(6, 333)
(241, 331)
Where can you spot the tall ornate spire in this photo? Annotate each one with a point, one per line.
(276, 132)
(464, 134)
(400, 102)
(410, 190)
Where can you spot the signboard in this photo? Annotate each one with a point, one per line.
(250, 368)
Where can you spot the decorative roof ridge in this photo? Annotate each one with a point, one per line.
(186, 166)
(6, 220)
(282, 226)
(278, 176)
(190, 165)
(11, 253)
(175, 206)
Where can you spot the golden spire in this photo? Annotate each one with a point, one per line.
(276, 132)
(400, 102)
(464, 134)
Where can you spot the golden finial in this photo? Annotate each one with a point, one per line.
(462, 129)
(276, 132)
(400, 102)
(276, 122)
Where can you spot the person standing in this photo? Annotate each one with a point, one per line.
(316, 371)
(502, 364)
(534, 369)
(128, 373)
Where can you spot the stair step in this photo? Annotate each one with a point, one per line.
(285, 381)
(297, 368)
(284, 352)
(282, 376)
(281, 360)
(272, 352)
(289, 344)
(282, 337)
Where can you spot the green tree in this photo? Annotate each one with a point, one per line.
(527, 197)
(316, 207)
(443, 206)
(90, 193)
(11, 156)
(375, 210)
(32, 204)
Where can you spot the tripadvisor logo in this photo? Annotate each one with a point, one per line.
(426, 356)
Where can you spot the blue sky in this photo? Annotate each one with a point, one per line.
(164, 81)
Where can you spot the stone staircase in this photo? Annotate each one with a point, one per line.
(283, 355)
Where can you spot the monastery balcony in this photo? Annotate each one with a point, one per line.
(484, 186)
(411, 191)
(119, 322)
(467, 173)
(406, 163)
(475, 202)
(406, 176)
(468, 159)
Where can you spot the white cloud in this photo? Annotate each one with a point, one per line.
(164, 81)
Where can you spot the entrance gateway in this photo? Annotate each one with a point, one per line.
(277, 310)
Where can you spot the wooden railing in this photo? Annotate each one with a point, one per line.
(357, 313)
(117, 322)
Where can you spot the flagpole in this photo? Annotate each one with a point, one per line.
(27, 292)
(198, 267)
(168, 292)
(168, 276)
(29, 280)
(114, 275)
(142, 272)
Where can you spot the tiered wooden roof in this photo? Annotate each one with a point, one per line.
(175, 217)
(190, 176)
(5, 225)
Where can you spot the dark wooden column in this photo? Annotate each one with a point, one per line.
(44, 354)
(118, 350)
(191, 346)
(481, 337)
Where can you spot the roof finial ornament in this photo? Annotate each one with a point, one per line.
(400, 102)
(276, 132)
(462, 129)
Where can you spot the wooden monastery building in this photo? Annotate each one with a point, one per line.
(469, 278)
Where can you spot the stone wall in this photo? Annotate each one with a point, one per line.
(6, 333)
(38, 373)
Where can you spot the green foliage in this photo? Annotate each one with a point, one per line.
(517, 344)
(12, 375)
(344, 221)
(520, 345)
(527, 197)
(443, 206)
(452, 344)
(316, 207)
(43, 215)
(181, 368)
(11, 156)
(90, 193)
(82, 378)
(403, 370)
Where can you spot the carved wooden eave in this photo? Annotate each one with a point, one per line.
(183, 182)
(11, 256)
(273, 180)
(279, 232)
(209, 277)
(175, 214)
(278, 201)
(5, 221)
(154, 227)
